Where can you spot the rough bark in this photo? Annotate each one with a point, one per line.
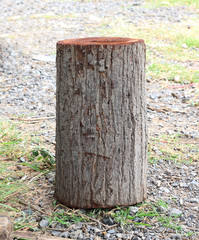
(101, 133)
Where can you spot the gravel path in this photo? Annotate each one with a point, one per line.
(29, 32)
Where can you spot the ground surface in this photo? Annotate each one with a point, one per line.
(29, 32)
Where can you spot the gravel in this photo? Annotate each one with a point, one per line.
(27, 76)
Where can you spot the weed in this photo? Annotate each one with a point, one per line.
(145, 215)
(43, 159)
(25, 222)
(14, 187)
(66, 218)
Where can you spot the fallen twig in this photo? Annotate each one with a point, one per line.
(88, 217)
(39, 210)
(165, 110)
(181, 86)
(34, 236)
(33, 119)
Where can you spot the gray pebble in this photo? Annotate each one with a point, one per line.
(155, 96)
(28, 212)
(108, 220)
(107, 235)
(133, 210)
(111, 231)
(119, 235)
(164, 189)
(64, 234)
(44, 223)
(80, 237)
(22, 159)
(56, 233)
(175, 211)
(75, 234)
(193, 200)
(41, 204)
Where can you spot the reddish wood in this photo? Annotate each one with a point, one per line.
(100, 41)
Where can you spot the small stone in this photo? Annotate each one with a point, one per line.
(135, 238)
(193, 183)
(119, 235)
(80, 237)
(78, 225)
(177, 78)
(163, 189)
(108, 220)
(181, 201)
(44, 223)
(155, 96)
(184, 45)
(175, 236)
(50, 180)
(64, 235)
(95, 229)
(175, 184)
(50, 175)
(56, 233)
(184, 185)
(173, 94)
(75, 234)
(111, 231)
(175, 211)
(107, 235)
(193, 200)
(137, 219)
(28, 212)
(133, 210)
(22, 159)
(44, 58)
(158, 183)
(162, 209)
(41, 204)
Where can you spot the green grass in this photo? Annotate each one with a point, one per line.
(166, 70)
(13, 143)
(147, 215)
(13, 186)
(170, 3)
(25, 221)
(66, 218)
(15, 177)
(170, 48)
(173, 148)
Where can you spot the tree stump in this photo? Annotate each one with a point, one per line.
(5, 227)
(101, 133)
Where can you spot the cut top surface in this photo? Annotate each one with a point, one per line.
(100, 41)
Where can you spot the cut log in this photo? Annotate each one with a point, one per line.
(5, 227)
(101, 133)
